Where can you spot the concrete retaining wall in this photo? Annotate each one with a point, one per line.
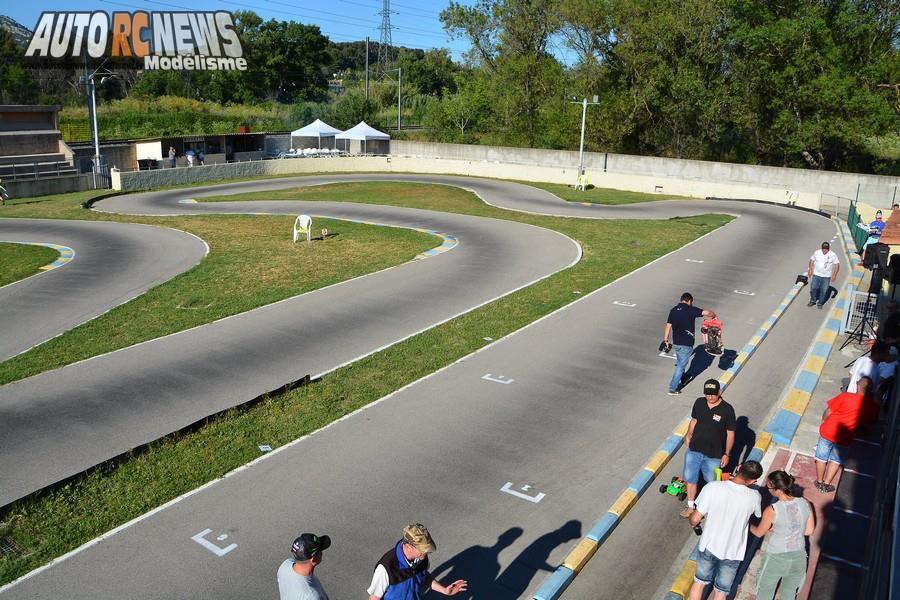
(877, 190)
(29, 188)
(138, 180)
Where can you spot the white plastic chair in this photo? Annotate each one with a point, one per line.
(303, 224)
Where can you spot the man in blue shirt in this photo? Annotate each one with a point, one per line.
(876, 228)
(681, 325)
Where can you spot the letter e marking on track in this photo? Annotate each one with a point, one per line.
(624, 303)
(744, 293)
(217, 550)
(498, 379)
(508, 489)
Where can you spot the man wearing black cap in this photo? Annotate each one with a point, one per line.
(823, 269)
(295, 577)
(708, 442)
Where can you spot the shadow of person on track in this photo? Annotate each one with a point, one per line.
(700, 361)
(744, 440)
(517, 577)
(479, 565)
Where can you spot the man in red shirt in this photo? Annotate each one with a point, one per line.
(839, 423)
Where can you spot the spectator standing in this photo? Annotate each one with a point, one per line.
(789, 520)
(402, 573)
(839, 423)
(172, 156)
(876, 228)
(823, 270)
(867, 366)
(296, 580)
(727, 506)
(680, 324)
(709, 439)
(190, 157)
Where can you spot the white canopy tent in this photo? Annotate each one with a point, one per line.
(318, 129)
(364, 133)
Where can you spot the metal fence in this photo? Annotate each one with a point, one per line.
(859, 234)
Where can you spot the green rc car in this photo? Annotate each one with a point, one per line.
(676, 488)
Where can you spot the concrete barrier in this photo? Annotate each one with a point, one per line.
(141, 180)
(29, 188)
(875, 189)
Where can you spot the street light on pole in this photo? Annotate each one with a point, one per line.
(584, 104)
(88, 80)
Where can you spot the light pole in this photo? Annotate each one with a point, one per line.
(88, 80)
(584, 104)
(399, 87)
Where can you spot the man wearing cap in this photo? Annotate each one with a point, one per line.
(402, 573)
(823, 270)
(709, 439)
(295, 577)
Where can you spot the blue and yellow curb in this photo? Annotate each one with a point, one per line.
(449, 241)
(66, 254)
(556, 584)
(784, 424)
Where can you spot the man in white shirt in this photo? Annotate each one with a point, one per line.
(869, 366)
(295, 577)
(727, 506)
(823, 270)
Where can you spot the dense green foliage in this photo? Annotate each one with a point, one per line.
(804, 83)
(800, 83)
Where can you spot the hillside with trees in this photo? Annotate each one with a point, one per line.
(801, 83)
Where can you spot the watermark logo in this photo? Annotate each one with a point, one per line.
(162, 40)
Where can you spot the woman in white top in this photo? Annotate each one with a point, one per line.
(789, 520)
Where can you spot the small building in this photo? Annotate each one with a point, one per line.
(218, 148)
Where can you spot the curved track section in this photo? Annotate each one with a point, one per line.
(114, 262)
(583, 408)
(59, 423)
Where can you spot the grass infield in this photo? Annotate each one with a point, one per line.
(601, 195)
(18, 261)
(61, 520)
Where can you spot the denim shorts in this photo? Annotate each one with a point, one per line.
(697, 462)
(717, 571)
(830, 452)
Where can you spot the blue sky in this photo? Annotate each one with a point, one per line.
(415, 22)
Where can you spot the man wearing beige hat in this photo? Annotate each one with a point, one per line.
(402, 573)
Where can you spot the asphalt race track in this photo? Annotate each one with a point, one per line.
(564, 411)
(114, 262)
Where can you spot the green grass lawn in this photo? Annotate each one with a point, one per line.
(53, 524)
(18, 261)
(601, 195)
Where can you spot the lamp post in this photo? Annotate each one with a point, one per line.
(584, 104)
(399, 92)
(88, 80)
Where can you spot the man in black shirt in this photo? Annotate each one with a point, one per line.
(681, 324)
(708, 441)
